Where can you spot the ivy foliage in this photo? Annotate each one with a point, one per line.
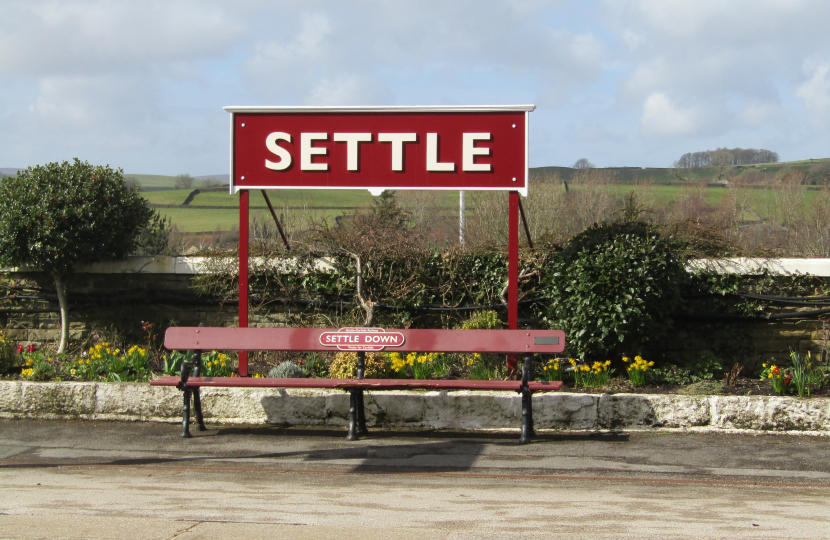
(60, 215)
(407, 287)
(614, 288)
(399, 271)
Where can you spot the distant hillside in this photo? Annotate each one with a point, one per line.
(671, 175)
(155, 182)
(224, 178)
(9, 172)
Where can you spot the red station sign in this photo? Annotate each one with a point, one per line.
(361, 339)
(377, 148)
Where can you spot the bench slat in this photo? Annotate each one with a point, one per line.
(414, 340)
(348, 384)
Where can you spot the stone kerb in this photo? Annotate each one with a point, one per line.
(197, 265)
(462, 410)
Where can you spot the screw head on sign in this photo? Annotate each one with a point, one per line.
(243, 125)
(514, 125)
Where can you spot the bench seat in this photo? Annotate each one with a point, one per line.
(511, 342)
(357, 384)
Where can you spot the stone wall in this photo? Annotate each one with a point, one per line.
(113, 297)
(119, 296)
(465, 410)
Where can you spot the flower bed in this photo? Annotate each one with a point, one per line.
(103, 362)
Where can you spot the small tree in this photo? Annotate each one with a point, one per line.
(132, 182)
(583, 163)
(381, 232)
(184, 181)
(58, 216)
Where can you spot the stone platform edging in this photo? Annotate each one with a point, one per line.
(417, 409)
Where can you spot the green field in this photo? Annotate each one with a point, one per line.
(290, 197)
(161, 180)
(196, 219)
(320, 204)
(173, 196)
(153, 180)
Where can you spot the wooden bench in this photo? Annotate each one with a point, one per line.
(524, 343)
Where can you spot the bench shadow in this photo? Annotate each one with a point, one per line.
(377, 433)
(447, 451)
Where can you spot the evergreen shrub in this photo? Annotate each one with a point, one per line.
(614, 288)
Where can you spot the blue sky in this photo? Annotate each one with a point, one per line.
(141, 85)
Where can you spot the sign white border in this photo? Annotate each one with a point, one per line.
(233, 189)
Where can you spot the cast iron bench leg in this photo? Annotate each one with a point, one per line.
(361, 416)
(353, 432)
(527, 417)
(197, 395)
(186, 406)
(530, 413)
(186, 415)
(527, 402)
(357, 410)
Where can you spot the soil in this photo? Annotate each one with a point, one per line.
(743, 386)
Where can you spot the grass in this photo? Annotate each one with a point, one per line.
(174, 196)
(291, 197)
(153, 180)
(200, 219)
(196, 219)
(193, 218)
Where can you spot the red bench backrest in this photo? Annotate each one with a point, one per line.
(388, 340)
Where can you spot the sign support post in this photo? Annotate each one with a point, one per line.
(243, 274)
(513, 271)
(462, 148)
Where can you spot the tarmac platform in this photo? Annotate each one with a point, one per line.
(134, 480)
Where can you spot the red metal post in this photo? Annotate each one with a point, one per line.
(243, 275)
(513, 272)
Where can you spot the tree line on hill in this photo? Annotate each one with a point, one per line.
(726, 156)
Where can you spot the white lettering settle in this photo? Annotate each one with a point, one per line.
(308, 151)
(432, 156)
(470, 151)
(397, 140)
(274, 147)
(352, 147)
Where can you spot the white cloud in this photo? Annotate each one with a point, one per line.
(662, 118)
(348, 90)
(633, 40)
(718, 73)
(816, 94)
(757, 113)
(105, 111)
(621, 80)
(47, 38)
(443, 42)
